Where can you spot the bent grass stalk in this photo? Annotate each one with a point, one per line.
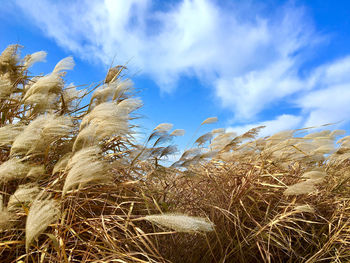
(76, 186)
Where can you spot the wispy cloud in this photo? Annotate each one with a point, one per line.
(251, 60)
(282, 122)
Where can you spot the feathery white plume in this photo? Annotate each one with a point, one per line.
(105, 120)
(85, 167)
(6, 220)
(178, 132)
(24, 194)
(315, 174)
(115, 90)
(51, 83)
(36, 172)
(6, 217)
(64, 64)
(40, 133)
(10, 55)
(181, 223)
(29, 60)
(210, 120)
(6, 88)
(163, 127)
(13, 169)
(42, 213)
(305, 187)
(8, 133)
(62, 163)
(305, 208)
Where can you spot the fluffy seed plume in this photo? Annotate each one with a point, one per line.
(336, 133)
(204, 138)
(40, 133)
(51, 83)
(8, 134)
(178, 132)
(85, 167)
(305, 187)
(317, 134)
(163, 127)
(181, 223)
(210, 120)
(115, 90)
(36, 172)
(24, 194)
(49, 86)
(13, 169)
(62, 163)
(29, 60)
(218, 130)
(107, 119)
(42, 213)
(64, 64)
(6, 219)
(70, 93)
(88, 137)
(6, 88)
(10, 57)
(114, 73)
(305, 208)
(220, 141)
(280, 137)
(315, 174)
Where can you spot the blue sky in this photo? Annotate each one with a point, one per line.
(284, 64)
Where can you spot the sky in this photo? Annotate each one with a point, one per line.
(283, 64)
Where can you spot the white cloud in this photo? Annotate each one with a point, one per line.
(330, 105)
(328, 99)
(251, 60)
(250, 93)
(281, 123)
(192, 37)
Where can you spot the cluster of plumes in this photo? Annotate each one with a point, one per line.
(38, 135)
(47, 92)
(52, 147)
(9, 68)
(15, 169)
(13, 69)
(106, 120)
(263, 194)
(76, 173)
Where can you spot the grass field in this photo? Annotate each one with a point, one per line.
(76, 186)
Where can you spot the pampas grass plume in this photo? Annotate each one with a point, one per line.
(305, 208)
(178, 132)
(42, 213)
(24, 194)
(29, 60)
(84, 168)
(163, 127)
(64, 64)
(181, 223)
(210, 120)
(305, 187)
(13, 169)
(8, 133)
(40, 133)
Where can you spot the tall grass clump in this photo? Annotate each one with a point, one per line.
(76, 186)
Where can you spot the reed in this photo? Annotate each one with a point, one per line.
(76, 186)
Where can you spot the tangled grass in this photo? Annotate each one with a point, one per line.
(76, 186)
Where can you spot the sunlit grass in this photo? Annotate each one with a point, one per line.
(76, 186)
